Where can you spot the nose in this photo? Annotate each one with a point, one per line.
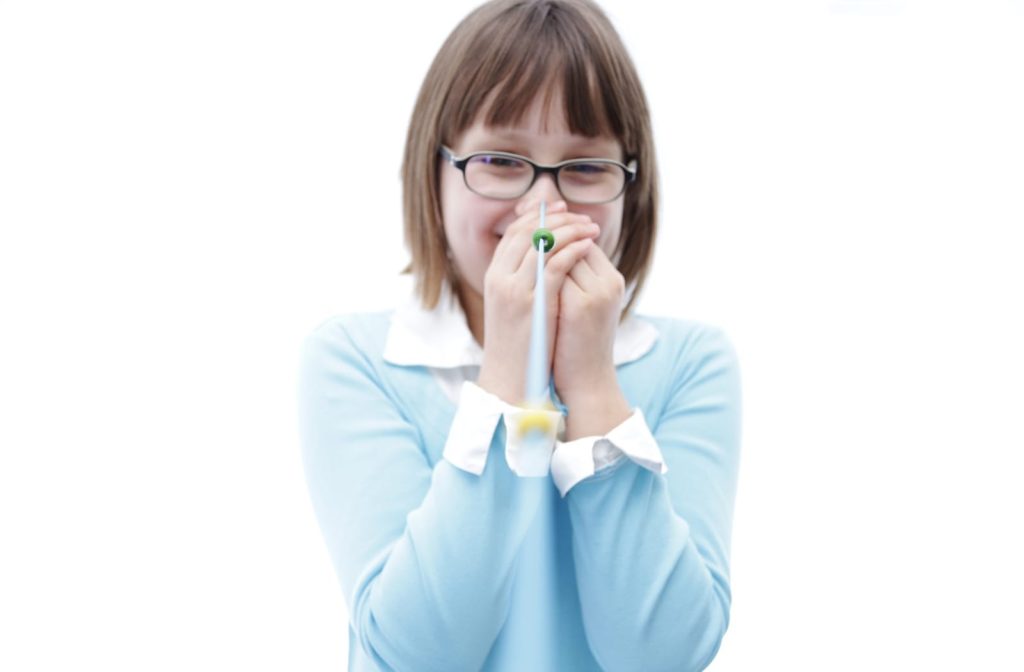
(544, 189)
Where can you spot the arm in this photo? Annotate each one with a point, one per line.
(424, 557)
(652, 551)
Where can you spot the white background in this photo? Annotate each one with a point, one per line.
(187, 188)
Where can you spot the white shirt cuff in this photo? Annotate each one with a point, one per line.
(581, 458)
(476, 418)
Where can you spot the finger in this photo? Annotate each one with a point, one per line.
(600, 262)
(583, 273)
(528, 218)
(566, 236)
(513, 246)
(559, 266)
(526, 226)
(594, 269)
(509, 254)
(606, 269)
(570, 286)
(557, 220)
(596, 274)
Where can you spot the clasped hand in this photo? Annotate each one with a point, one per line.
(584, 293)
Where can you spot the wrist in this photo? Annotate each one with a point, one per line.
(499, 385)
(596, 411)
(590, 390)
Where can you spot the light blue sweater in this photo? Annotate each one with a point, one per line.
(446, 571)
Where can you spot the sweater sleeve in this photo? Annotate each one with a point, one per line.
(425, 556)
(652, 550)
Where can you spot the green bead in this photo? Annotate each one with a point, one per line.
(546, 236)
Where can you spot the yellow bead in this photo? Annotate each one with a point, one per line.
(534, 420)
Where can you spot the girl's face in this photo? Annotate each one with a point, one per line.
(473, 224)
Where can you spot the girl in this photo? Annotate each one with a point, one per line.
(457, 547)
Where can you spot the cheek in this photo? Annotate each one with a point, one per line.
(469, 229)
(472, 217)
(610, 219)
(449, 201)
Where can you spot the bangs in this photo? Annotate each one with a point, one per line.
(547, 49)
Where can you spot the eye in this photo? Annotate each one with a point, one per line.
(499, 161)
(587, 168)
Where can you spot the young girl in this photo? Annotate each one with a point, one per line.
(456, 547)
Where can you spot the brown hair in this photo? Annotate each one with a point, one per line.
(500, 54)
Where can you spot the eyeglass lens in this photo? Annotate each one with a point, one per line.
(497, 176)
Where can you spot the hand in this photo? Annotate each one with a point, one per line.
(508, 292)
(590, 304)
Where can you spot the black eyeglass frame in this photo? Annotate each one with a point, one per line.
(538, 169)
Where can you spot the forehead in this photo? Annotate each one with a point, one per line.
(555, 96)
(543, 115)
(542, 122)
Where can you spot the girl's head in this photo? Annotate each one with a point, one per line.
(546, 79)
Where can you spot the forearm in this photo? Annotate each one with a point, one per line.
(646, 591)
(423, 554)
(439, 600)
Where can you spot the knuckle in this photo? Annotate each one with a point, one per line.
(518, 227)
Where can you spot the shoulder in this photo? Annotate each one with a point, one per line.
(693, 368)
(350, 338)
(689, 358)
(685, 340)
(364, 331)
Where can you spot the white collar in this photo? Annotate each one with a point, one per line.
(440, 338)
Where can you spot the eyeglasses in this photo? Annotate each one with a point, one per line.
(505, 176)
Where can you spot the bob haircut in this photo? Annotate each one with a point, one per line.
(489, 68)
